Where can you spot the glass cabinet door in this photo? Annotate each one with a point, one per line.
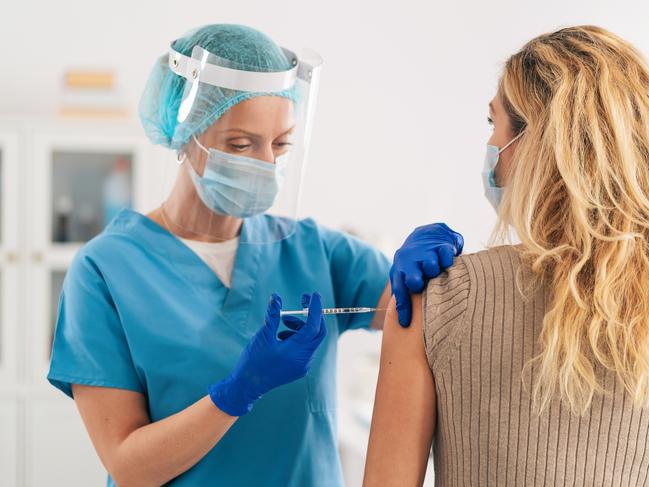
(83, 180)
(87, 190)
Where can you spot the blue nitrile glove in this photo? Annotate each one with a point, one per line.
(427, 251)
(268, 362)
(293, 322)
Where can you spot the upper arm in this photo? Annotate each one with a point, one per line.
(404, 410)
(110, 416)
(359, 273)
(378, 320)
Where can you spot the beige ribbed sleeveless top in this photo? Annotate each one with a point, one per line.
(479, 332)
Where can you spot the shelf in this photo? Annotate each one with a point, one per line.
(60, 255)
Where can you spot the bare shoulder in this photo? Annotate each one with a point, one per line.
(400, 341)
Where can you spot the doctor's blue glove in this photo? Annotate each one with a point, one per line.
(427, 251)
(268, 362)
(293, 322)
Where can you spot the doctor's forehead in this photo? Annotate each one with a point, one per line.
(260, 113)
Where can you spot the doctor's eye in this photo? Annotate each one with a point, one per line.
(282, 147)
(239, 147)
(490, 121)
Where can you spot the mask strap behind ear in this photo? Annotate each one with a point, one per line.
(204, 149)
(511, 141)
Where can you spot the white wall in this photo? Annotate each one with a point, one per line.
(400, 130)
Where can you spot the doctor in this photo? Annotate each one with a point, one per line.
(166, 336)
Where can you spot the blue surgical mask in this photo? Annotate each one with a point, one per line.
(492, 191)
(237, 186)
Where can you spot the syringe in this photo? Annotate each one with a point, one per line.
(331, 311)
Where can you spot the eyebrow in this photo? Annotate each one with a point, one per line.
(251, 134)
(491, 106)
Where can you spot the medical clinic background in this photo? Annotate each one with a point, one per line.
(398, 141)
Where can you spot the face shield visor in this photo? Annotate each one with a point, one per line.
(248, 164)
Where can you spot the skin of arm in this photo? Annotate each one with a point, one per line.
(137, 452)
(404, 416)
(382, 305)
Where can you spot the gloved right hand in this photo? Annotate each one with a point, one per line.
(268, 362)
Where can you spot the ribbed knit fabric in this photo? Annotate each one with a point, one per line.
(479, 332)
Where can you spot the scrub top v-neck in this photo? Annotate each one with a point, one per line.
(139, 310)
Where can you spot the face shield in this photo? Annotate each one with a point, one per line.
(250, 162)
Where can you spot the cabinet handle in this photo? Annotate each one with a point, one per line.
(38, 257)
(12, 257)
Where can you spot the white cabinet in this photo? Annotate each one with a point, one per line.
(57, 191)
(59, 450)
(8, 441)
(69, 172)
(10, 256)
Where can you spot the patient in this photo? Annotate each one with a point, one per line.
(528, 365)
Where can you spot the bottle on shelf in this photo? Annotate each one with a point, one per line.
(62, 218)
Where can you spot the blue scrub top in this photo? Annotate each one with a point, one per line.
(141, 311)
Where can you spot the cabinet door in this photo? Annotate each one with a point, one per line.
(59, 451)
(46, 281)
(10, 257)
(83, 180)
(8, 441)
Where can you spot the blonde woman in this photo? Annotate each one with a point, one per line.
(529, 365)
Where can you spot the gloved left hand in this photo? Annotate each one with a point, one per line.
(427, 251)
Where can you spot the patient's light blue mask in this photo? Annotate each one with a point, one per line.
(237, 186)
(492, 191)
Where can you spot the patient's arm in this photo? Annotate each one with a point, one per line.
(404, 411)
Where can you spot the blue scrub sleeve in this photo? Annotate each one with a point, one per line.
(359, 272)
(90, 346)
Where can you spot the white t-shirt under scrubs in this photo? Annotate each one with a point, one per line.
(219, 256)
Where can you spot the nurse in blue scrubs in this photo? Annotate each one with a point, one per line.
(170, 336)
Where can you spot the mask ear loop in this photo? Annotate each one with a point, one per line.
(200, 145)
(511, 142)
(182, 157)
(492, 173)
